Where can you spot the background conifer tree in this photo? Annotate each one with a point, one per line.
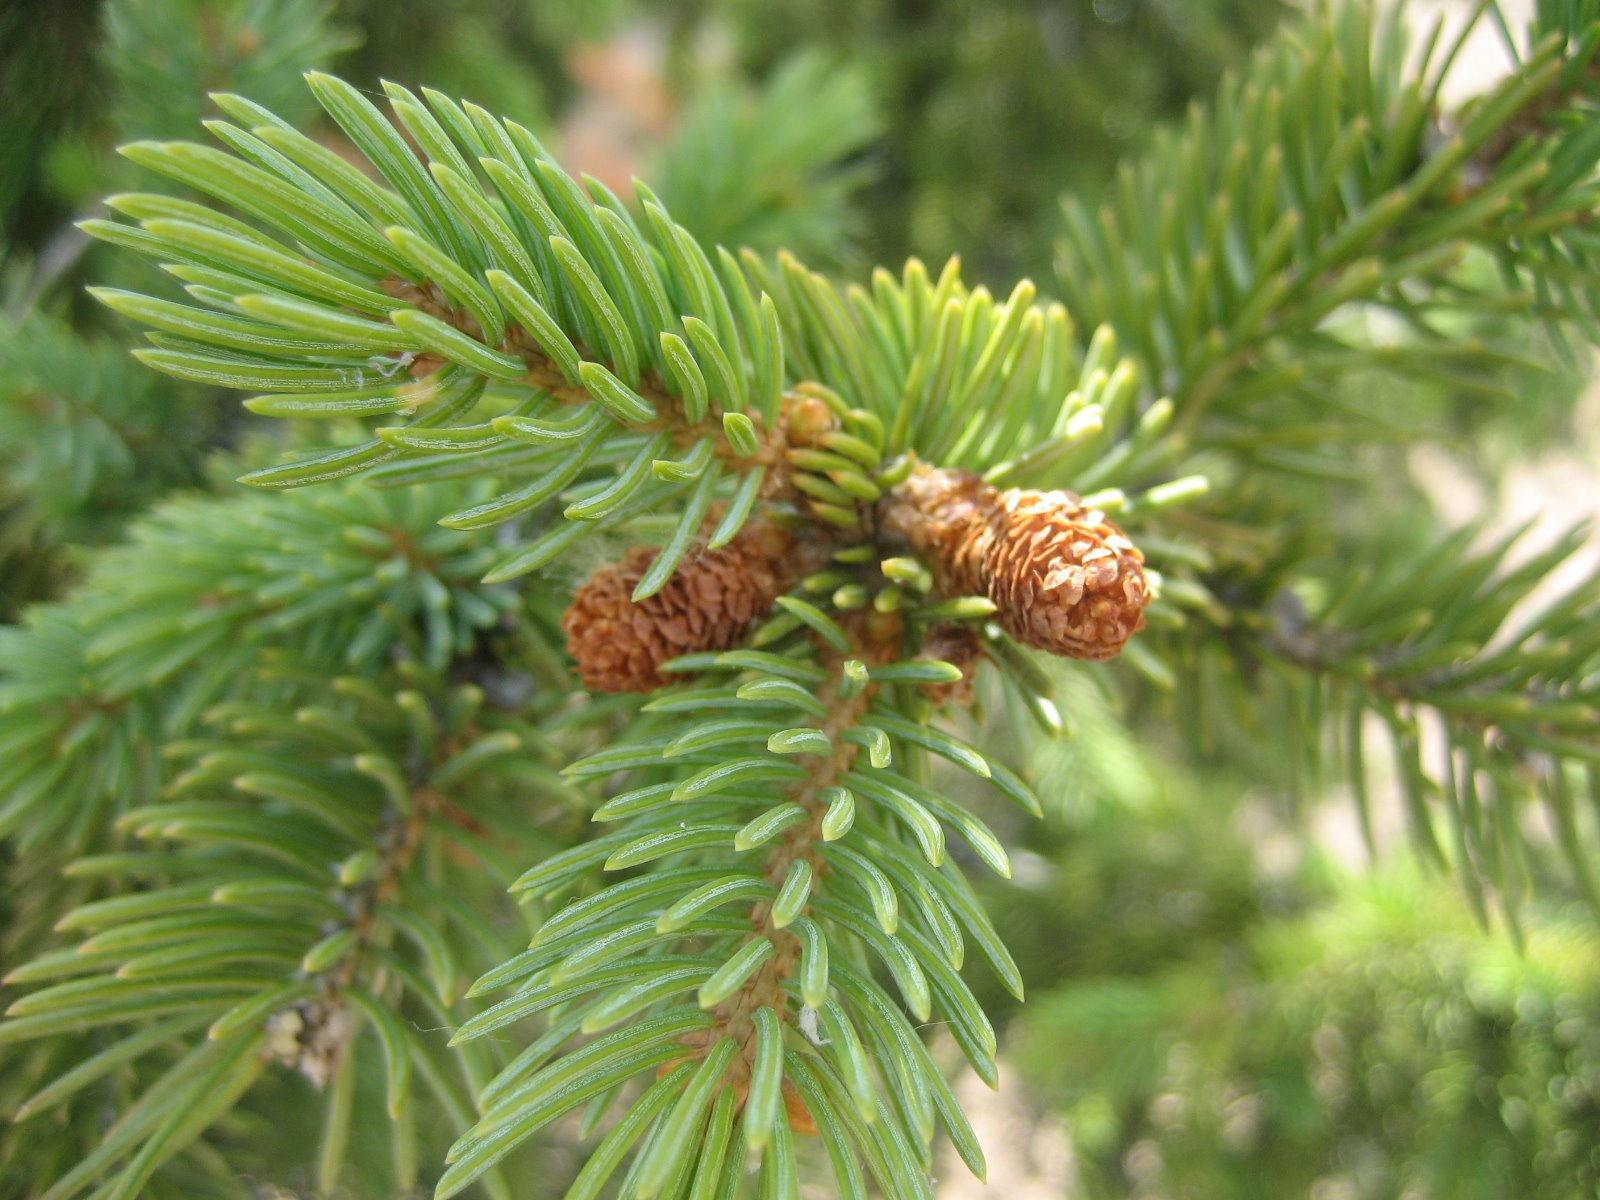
(601, 743)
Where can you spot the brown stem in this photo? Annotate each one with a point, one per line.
(1317, 653)
(735, 1016)
(314, 1035)
(545, 374)
(401, 844)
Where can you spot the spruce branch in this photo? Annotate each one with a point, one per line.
(1459, 663)
(167, 625)
(825, 888)
(1510, 690)
(595, 337)
(242, 931)
(1335, 185)
(766, 913)
(1331, 179)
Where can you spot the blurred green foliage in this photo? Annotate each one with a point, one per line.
(90, 440)
(1378, 1046)
(741, 171)
(49, 87)
(995, 107)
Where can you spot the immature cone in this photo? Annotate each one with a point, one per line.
(709, 603)
(1063, 577)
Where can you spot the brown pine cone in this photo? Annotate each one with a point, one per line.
(709, 603)
(1063, 577)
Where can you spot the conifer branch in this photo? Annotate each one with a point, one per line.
(253, 940)
(838, 502)
(94, 685)
(1329, 185)
(1447, 643)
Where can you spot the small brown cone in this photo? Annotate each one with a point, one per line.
(709, 603)
(1063, 578)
